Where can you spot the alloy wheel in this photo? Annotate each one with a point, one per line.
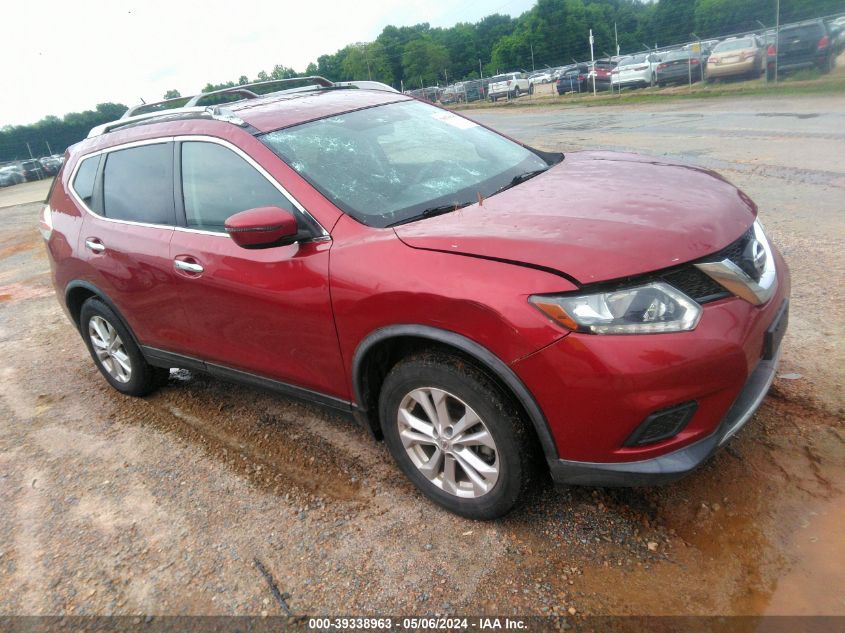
(448, 442)
(109, 348)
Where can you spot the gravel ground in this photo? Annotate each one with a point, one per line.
(173, 504)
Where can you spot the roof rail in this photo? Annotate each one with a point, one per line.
(191, 105)
(139, 109)
(245, 89)
(213, 112)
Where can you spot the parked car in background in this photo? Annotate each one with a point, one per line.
(509, 85)
(542, 77)
(33, 170)
(430, 94)
(804, 45)
(602, 70)
(50, 165)
(573, 80)
(737, 57)
(452, 94)
(679, 66)
(11, 175)
(636, 71)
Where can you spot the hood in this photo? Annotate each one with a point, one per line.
(596, 216)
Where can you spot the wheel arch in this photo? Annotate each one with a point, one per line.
(77, 292)
(379, 351)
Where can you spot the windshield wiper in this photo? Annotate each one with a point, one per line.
(432, 211)
(519, 180)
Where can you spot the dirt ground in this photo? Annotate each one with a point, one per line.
(163, 505)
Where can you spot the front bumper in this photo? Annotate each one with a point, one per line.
(605, 387)
(673, 466)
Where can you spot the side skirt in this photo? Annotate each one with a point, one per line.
(161, 358)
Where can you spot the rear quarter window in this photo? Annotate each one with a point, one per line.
(83, 182)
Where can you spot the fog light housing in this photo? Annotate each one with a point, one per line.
(663, 424)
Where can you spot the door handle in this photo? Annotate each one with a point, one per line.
(187, 266)
(95, 245)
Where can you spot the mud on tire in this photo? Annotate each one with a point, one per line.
(515, 445)
(97, 322)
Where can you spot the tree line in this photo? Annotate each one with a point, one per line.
(552, 33)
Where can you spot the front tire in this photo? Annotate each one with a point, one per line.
(456, 435)
(115, 352)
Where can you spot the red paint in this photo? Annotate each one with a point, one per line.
(622, 215)
(297, 313)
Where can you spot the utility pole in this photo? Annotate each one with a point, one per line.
(616, 36)
(700, 56)
(480, 72)
(49, 151)
(593, 61)
(777, 38)
(446, 72)
(30, 150)
(532, 56)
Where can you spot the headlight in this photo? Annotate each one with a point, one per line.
(650, 309)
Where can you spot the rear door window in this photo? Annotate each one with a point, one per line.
(217, 183)
(138, 184)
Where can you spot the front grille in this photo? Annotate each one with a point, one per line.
(734, 251)
(695, 284)
(700, 286)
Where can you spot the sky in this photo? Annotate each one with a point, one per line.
(69, 56)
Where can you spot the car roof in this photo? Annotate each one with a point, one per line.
(285, 109)
(259, 115)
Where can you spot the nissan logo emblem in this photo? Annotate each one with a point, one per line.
(755, 254)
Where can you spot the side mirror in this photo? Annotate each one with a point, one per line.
(262, 227)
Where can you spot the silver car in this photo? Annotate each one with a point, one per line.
(11, 175)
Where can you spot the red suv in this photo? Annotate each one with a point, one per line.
(419, 271)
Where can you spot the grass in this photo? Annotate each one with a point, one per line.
(801, 83)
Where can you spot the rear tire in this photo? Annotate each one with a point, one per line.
(481, 470)
(829, 64)
(115, 352)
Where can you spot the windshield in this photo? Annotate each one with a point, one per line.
(733, 45)
(676, 55)
(395, 162)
